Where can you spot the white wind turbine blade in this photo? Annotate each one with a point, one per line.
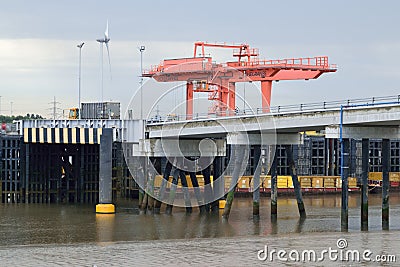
(109, 60)
(106, 33)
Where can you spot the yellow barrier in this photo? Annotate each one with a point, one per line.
(338, 183)
(329, 182)
(244, 182)
(266, 181)
(352, 182)
(305, 181)
(290, 182)
(394, 176)
(282, 182)
(375, 176)
(317, 182)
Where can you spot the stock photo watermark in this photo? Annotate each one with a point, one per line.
(339, 253)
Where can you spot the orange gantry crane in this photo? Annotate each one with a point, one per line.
(201, 74)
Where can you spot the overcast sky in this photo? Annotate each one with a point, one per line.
(39, 57)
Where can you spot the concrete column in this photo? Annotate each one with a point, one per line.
(256, 182)
(105, 172)
(345, 188)
(274, 188)
(364, 184)
(296, 183)
(385, 183)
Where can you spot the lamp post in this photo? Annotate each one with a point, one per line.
(141, 50)
(80, 69)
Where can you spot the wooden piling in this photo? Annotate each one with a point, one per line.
(295, 179)
(364, 184)
(218, 184)
(239, 156)
(167, 172)
(207, 188)
(256, 182)
(385, 183)
(345, 188)
(274, 188)
(197, 192)
(172, 191)
(185, 190)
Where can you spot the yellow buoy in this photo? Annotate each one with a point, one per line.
(222, 203)
(105, 208)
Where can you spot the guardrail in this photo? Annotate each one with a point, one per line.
(306, 107)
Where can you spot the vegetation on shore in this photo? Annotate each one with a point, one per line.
(10, 119)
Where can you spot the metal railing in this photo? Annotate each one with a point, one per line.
(284, 109)
(321, 61)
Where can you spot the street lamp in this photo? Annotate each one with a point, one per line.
(80, 69)
(141, 50)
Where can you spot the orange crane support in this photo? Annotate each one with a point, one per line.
(201, 74)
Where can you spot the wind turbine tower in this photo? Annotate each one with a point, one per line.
(104, 41)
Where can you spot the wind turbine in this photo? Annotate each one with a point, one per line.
(103, 41)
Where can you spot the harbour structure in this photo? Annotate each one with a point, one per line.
(59, 160)
(71, 160)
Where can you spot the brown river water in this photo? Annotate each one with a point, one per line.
(73, 235)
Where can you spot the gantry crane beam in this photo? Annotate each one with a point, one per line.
(227, 74)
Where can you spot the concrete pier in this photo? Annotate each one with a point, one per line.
(105, 173)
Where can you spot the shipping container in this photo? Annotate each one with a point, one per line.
(101, 110)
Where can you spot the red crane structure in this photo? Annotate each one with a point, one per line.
(201, 74)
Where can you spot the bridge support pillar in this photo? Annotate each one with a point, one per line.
(385, 183)
(256, 183)
(105, 173)
(364, 184)
(274, 188)
(345, 150)
(295, 179)
(189, 100)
